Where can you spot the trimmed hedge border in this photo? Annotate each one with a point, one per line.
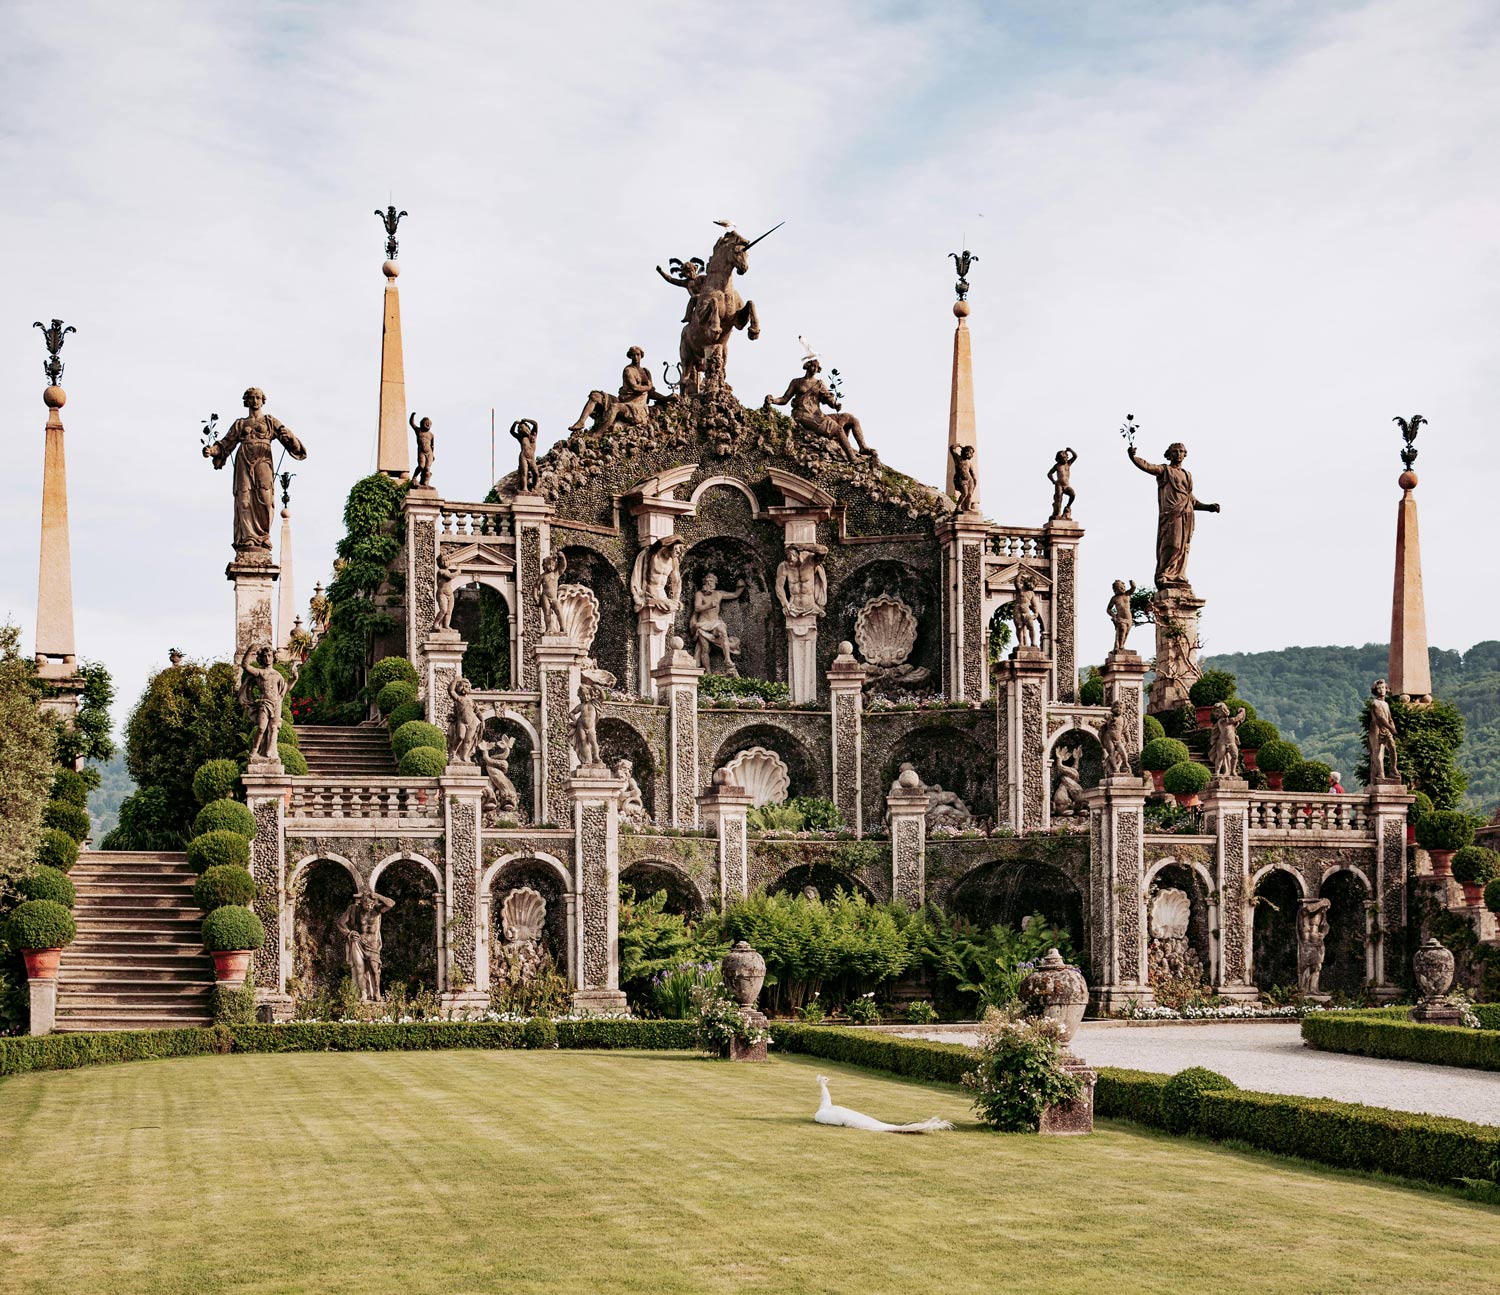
(1488, 1014)
(942, 1063)
(1396, 1040)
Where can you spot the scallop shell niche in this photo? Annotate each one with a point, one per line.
(886, 631)
(762, 773)
(522, 916)
(578, 610)
(1170, 911)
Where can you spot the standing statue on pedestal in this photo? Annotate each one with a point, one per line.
(585, 717)
(707, 624)
(359, 924)
(1381, 735)
(254, 472)
(550, 610)
(423, 475)
(449, 581)
(1060, 475)
(807, 395)
(1024, 613)
(1175, 507)
(715, 309)
(465, 725)
(1119, 612)
(801, 582)
(1312, 932)
(1113, 737)
(965, 477)
(524, 431)
(1224, 745)
(265, 710)
(656, 580)
(631, 407)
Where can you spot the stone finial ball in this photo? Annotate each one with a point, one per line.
(909, 780)
(1407, 480)
(677, 643)
(846, 648)
(54, 397)
(961, 309)
(390, 269)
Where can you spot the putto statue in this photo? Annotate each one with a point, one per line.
(1067, 794)
(1060, 475)
(707, 626)
(1224, 745)
(632, 406)
(1025, 614)
(254, 473)
(1381, 734)
(257, 666)
(585, 715)
(1312, 933)
(450, 579)
(1119, 612)
(807, 395)
(423, 430)
(715, 309)
(1175, 508)
(1115, 740)
(524, 432)
(632, 803)
(965, 477)
(466, 725)
(656, 578)
(548, 606)
(359, 924)
(801, 582)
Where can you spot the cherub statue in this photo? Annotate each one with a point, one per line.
(1224, 745)
(632, 406)
(501, 797)
(585, 717)
(553, 566)
(466, 725)
(1381, 735)
(1060, 475)
(806, 396)
(1119, 612)
(707, 624)
(686, 274)
(449, 581)
(965, 477)
(1115, 740)
(1067, 796)
(524, 431)
(632, 803)
(257, 667)
(1025, 614)
(423, 475)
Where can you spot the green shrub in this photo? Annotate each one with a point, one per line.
(293, 762)
(415, 733)
(1277, 756)
(921, 1012)
(43, 882)
(72, 787)
(396, 693)
(539, 1032)
(818, 813)
(216, 780)
(67, 818)
(224, 884)
(1476, 864)
(772, 817)
(1212, 686)
(146, 823)
(423, 762)
(1238, 704)
(862, 1010)
(234, 1004)
(1445, 829)
(1091, 691)
(1163, 752)
(1181, 1095)
(1420, 806)
(56, 849)
(225, 815)
(1018, 1072)
(405, 713)
(389, 670)
(1151, 729)
(944, 1063)
(1130, 1095)
(218, 849)
(724, 687)
(232, 929)
(1186, 778)
(1402, 1040)
(1256, 733)
(71, 1051)
(1492, 897)
(40, 924)
(1307, 776)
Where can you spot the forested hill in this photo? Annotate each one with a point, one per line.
(1314, 696)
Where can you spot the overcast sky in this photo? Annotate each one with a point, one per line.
(1263, 229)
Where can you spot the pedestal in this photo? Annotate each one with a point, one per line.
(1124, 680)
(1388, 804)
(802, 655)
(443, 655)
(966, 650)
(1063, 536)
(906, 815)
(43, 995)
(1117, 933)
(595, 794)
(676, 678)
(846, 705)
(1226, 810)
(724, 807)
(254, 603)
(1075, 1116)
(1427, 1012)
(531, 517)
(266, 795)
(652, 631)
(1176, 609)
(741, 1051)
(1025, 802)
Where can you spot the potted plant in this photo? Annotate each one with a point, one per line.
(1211, 686)
(1474, 867)
(1442, 833)
(1275, 758)
(231, 934)
(41, 929)
(1421, 806)
(1160, 754)
(1492, 897)
(1254, 734)
(1185, 780)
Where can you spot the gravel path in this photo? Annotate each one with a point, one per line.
(1272, 1059)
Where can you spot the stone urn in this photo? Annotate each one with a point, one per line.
(744, 972)
(1433, 969)
(1058, 991)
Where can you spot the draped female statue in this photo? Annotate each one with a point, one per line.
(1175, 507)
(254, 472)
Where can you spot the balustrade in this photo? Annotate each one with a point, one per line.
(389, 798)
(1280, 811)
(473, 519)
(1019, 542)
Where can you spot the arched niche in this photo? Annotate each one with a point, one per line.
(520, 767)
(918, 591)
(1006, 892)
(614, 642)
(821, 877)
(1091, 766)
(482, 617)
(647, 877)
(808, 773)
(1344, 948)
(1278, 895)
(321, 890)
(618, 740)
(950, 758)
(749, 618)
(410, 932)
(1160, 961)
(543, 877)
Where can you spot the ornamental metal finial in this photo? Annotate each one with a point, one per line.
(54, 337)
(286, 488)
(963, 260)
(1409, 427)
(390, 218)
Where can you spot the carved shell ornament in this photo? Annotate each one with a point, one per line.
(1170, 911)
(579, 612)
(522, 916)
(762, 773)
(886, 631)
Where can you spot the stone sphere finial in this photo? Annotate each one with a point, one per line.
(961, 309)
(390, 269)
(1407, 480)
(54, 397)
(677, 643)
(846, 648)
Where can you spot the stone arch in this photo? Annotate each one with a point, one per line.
(1346, 950)
(917, 590)
(822, 877)
(648, 876)
(545, 874)
(949, 757)
(1197, 883)
(614, 643)
(1091, 767)
(1007, 891)
(809, 774)
(521, 767)
(319, 889)
(619, 738)
(483, 616)
(731, 483)
(412, 932)
(1277, 892)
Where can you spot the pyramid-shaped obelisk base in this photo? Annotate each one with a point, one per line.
(286, 606)
(393, 455)
(961, 399)
(56, 655)
(1410, 672)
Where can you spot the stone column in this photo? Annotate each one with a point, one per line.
(1176, 611)
(846, 704)
(906, 813)
(595, 795)
(463, 796)
(799, 525)
(676, 678)
(1226, 808)
(43, 1000)
(655, 519)
(558, 660)
(55, 650)
(1387, 803)
(723, 807)
(422, 510)
(1025, 802)
(1063, 535)
(966, 653)
(1117, 904)
(443, 658)
(266, 794)
(961, 422)
(286, 607)
(532, 518)
(1124, 676)
(254, 614)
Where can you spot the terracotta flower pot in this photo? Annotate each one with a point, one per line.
(1248, 755)
(232, 966)
(1473, 893)
(1186, 799)
(1156, 779)
(1205, 716)
(1273, 779)
(1442, 862)
(41, 964)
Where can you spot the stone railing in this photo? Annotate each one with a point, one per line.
(1286, 811)
(385, 798)
(473, 519)
(1019, 542)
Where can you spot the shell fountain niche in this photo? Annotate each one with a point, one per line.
(885, 631)
(579, 611)
(522, 917)
(762, 773)
(1170, 912)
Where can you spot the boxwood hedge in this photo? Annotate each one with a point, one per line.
(1398, 1040)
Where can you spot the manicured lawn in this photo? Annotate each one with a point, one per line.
(546, 1171)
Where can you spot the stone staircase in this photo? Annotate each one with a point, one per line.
(138, 962)
(356, 753)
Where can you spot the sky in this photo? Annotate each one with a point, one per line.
(1262, 229)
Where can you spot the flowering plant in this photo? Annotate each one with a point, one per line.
(1018, 1071)
(862, 1010)
(722, 1021)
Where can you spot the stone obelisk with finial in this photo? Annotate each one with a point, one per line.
(392, 455)
(961, 429)
(56, 655)
(1410, 669)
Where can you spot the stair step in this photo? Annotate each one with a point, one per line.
(93, 1022)
(145, 971)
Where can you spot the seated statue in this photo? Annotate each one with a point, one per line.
(945, 809)
(632, 804)
(807, 395)
(631, 407)
(710, 633)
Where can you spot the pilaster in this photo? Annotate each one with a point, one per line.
(558, 661)
(443, 662)
(1176, 610)
(1117, 903)
(42, 996)
(595, 795)
(846, 705)
(531, 516)
(966, 652)
(1124, 680)
(676, 678)
(906, 815)
(254, 616)
(1063, 537)
(723, 808)
(1226, 809)
(266, 795)
(1388, 805)
(421, 507)
(1024, 799)
(463, 796)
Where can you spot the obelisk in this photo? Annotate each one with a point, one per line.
(961, 430)
(1410, 675)
(392, 455)
(56, 655)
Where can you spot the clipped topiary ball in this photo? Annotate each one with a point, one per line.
(71, 786)
(1256, 733)
(405, 713)
(539, 1032)
(1091, 693)
(1186, 778)
(1151, 729)
(225, 816)
(232, 929)
(423, 762)
(1492, 897)
(1307, 776)
(48, 883)
(56, 850)
(1278, 757)
(1477, 865)
(1179, 1097)
(40, 924)
(396, 693)
(1163, 752)
(222, 884)
(293, 761)
(417, 733)
(216, 780)
(1212, 686)
(391, 669)
(67, 818)
(212, 849)
(1445, 829)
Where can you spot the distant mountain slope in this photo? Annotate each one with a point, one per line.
(1314, 695)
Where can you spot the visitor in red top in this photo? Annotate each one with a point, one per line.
(1336, 783)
